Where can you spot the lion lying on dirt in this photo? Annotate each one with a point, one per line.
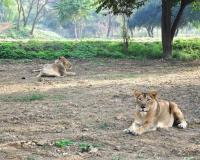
(152, 114)
(58, 69)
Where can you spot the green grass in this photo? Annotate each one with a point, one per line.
(64, 143)
(23, 98)
(83, 146)
(104, 125)
(183, 49)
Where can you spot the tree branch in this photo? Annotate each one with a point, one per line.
(184, 3)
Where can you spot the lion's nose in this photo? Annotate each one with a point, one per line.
(142, 106)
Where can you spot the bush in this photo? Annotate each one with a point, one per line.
(183, 49)
(186, 50)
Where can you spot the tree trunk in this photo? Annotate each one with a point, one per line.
(75, 30)
(26, 18)
(39, 9)
(125, 34)
(176, 33)
(19, 8)
(166, 29)
(109, 26)
(18, 20)
(131, 31)
(169, 29)
(149, 31)
(33, 25)
(177, 20)
(152, 28)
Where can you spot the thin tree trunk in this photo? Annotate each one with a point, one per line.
(149, 31)
(19, 8)
(125, 34)
(131, 31)
(38, 11)
(152, 28)
(33, 25)
(26, 18)
(176, 33)
(166, 29)
(109, 26)
(176, 21)
(75, 30)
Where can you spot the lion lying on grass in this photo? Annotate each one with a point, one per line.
(58, 69)
(152, 114)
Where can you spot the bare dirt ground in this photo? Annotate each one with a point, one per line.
(94, 107)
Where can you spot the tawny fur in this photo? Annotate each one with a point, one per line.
(152, 114)
(59, 68)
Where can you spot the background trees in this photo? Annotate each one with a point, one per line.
(75, 11)
(169, 25)
(78, 19)
(149, 17)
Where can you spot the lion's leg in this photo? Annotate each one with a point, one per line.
(40, 74)
(132, 128)
(36, 70)
(178, 115)
(146, 127)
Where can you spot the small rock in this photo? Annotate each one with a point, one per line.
(58, 151)
(65, 153)
(23, 78)
(85, 129)
(28, 144)
(117, 148)
(93, 150)
(120, 117)
(40, 143)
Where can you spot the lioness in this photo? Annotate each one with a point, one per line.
(57, 69)
(152, 114)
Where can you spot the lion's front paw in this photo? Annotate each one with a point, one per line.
(128, 131)
(182, 125)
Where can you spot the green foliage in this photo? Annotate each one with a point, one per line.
(145, 50)
(85, 147)
(119, 6)
(189, 49)
(23, 98)
(9, 9)
(72, 10)
(63, 143)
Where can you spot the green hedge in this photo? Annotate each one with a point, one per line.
(184, 50)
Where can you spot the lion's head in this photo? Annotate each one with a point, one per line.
(67, 65)
(145, 100)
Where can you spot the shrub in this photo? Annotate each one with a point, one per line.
(183, 49)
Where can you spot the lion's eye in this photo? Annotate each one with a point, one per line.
(139, 99)
(148, 99)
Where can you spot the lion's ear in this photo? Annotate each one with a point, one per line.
(153, 94)
(136, 93)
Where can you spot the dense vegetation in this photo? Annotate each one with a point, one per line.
(183, 49)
